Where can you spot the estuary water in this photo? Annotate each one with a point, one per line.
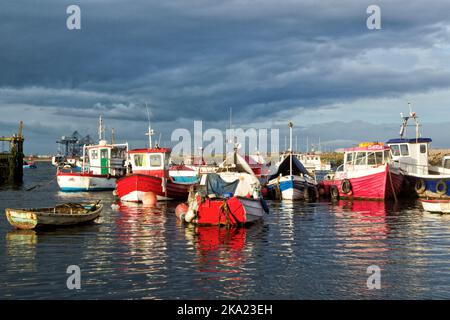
(301, 251)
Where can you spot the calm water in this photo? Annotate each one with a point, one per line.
(301, 251)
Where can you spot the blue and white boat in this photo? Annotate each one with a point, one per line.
(289, 179)
(410, 155)
(291, 184)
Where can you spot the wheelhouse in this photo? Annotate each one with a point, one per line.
(104, 158)
(366, 155)
(153, 161)
(411, 154)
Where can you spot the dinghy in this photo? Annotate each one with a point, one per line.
(66, 214)
(436, 205)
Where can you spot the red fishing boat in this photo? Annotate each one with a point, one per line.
(231, 197)
(365, 174)
(149, 174)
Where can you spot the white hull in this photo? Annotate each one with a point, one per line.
(73, 183)
(436, 206)
(138, 196)
(292, 194)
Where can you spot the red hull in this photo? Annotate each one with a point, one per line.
(240, 211)
(130, 188)
(374, 186)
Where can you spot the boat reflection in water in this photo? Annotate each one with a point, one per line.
(142, 232)
(366, 219)
(222, 253)
(21, 244)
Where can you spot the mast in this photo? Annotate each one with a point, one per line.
(290, 125)
(101, 129)
(150, 131)
(307, 144)
(113, 136)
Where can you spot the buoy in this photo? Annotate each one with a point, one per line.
(149, 199)
(181, 211)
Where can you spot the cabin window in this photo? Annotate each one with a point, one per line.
(349, 157)
(395, 150)
(447, 164)
(423, 148)
(155, 160)
(379, 157)
(371, 159)
(139, 160)
(94, 154)
(404, 150)
(361, 158)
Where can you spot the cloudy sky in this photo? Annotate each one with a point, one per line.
(313, 62)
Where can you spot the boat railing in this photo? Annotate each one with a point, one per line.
(411, 167)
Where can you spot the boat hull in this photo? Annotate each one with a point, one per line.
(26, 219)
(373, 184)
(291, 188)
(233, 211)
(430, 182)
(80, 182)
(438, 206)
(132, 188)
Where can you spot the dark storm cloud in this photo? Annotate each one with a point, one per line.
(196, 59)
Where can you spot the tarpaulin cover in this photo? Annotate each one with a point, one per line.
(284, 167)
(216, 185)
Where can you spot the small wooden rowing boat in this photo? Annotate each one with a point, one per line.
(61, 215)
(436, 205)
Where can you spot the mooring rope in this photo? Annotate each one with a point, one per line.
(41, 184)
(392, 184)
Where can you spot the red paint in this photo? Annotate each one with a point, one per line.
(80, 174)
(211, 212)
(153, 150)
(155, 173)
(374, 186)
(147, 183)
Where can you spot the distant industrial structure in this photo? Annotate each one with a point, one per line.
(11, 158)
(72, 146)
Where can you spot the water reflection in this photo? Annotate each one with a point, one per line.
(21, 246)
(141, 230)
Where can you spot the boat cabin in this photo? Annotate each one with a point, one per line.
(154, 161)
(365, 155)
(105, 159)
(411, 154)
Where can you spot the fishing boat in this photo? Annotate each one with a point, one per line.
(183, 173)
(259, 166)
(365, 174)
(101, 165)
(436, 205)
(289, 179)
(29, 165)
(410, 156)
(149, 174)
(230, 197)
(67, 214)
(313, 163)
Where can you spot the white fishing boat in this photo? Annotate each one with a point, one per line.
(410, 156)
(101, 165)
